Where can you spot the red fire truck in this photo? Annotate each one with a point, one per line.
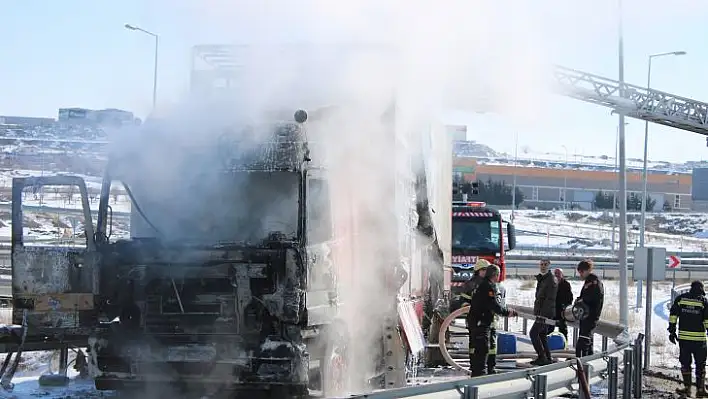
(477, 232)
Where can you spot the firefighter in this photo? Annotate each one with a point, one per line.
(690, 310)
(485, 303)
(591, 299)
(470, 287)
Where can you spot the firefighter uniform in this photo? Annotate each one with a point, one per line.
(469, 290)
(486, 303)
(690, 311)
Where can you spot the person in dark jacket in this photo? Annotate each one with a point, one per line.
(592, 298)
(470, 288)
(485, 304)
(544, 308)
(564, 298)
(690, 311)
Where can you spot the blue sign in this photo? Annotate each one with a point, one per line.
(464, 266)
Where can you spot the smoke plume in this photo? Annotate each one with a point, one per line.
(389, 69)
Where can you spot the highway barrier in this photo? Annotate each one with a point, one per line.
(541, 382)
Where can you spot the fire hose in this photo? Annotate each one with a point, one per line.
(572, 314)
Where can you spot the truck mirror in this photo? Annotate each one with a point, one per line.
(511, 235)
(300, 116)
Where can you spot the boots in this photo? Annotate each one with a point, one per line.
(687, 383)
(491, 364)
(701, 387)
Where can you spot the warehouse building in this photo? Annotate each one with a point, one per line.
(575, 186)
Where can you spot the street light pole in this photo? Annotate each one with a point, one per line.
(565, 179)
(642, 222)
(513, 189)
(614, 196)
(624, 302)
(154, 75)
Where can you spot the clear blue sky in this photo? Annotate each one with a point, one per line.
(63, 53)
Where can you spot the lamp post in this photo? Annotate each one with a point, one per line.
(513, 188)
(565, 179)
(623, 271)
(154, 76)
(642, 220)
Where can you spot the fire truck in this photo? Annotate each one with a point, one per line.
(478, 231)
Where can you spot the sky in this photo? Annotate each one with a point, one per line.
(77, 53)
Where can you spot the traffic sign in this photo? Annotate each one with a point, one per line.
(674, 262)
(649, 258)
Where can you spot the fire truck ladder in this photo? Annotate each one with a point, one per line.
(637, 102)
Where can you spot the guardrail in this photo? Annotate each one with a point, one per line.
(541, 382)
(520, 248)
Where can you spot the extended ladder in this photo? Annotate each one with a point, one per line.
(638, 102)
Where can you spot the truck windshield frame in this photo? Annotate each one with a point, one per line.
(478, 235)
(217, 214)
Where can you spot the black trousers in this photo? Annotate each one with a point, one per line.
(561, 324)
(585, 338)
(693, 351)
(492, 355)
(539, 339)
(479, 349)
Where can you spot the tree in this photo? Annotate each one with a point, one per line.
(603, 200)
(667, 206)
(634, 203)
(498, 193)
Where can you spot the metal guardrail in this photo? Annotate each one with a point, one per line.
(540, 382)
(520, 248)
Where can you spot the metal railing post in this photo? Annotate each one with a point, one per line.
(612, 378)
(575, 337)
(526, 326)
(506, 324)
(604, 343)
(587, 370)
(540, 386)
(638, 366)
(470, 392)
(628, 378)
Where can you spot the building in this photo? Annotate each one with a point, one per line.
(575, 186)
(458, 132)
(699, 189)
(105, 117)
(28, 121)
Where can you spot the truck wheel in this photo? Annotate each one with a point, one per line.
(334, 366)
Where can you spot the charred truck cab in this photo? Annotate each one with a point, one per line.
(220, 285)
(477, 233)
(233, 305)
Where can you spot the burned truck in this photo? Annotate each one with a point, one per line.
(220, 283)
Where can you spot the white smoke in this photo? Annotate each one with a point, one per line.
(423, 57)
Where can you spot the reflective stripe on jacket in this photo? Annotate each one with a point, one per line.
(690, 312)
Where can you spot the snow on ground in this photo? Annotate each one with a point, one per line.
(578, 230)
(45, 217)
(53, 223)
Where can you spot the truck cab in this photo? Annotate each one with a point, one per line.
(478, 232)
(220, 282)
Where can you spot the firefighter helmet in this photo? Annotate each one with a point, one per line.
(481, 264)
(697, 288)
